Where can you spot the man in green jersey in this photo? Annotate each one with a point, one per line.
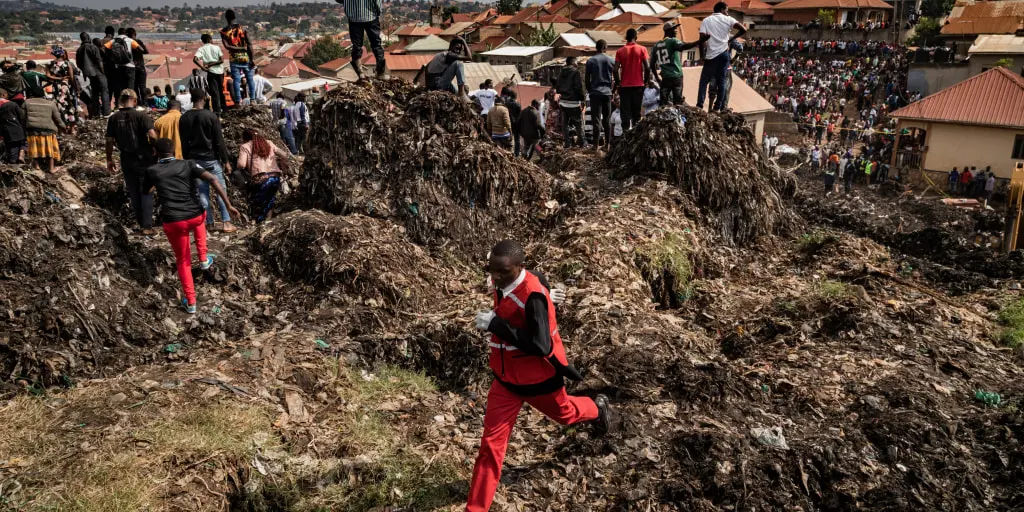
(666, 64)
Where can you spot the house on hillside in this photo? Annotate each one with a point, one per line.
(426, 46)
(978, 122)
(586, 17)
(643, 9)
(847, 11)
(970, 18)
(332, 69)
(989, 49)
(745, 11)
(412, 32)
(524, 58)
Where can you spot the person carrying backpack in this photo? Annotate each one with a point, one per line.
(120, 49)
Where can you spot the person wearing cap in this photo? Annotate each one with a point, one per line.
(184, 99)
(447, 66)
(181, 213)
(716, 40)
(235, 40)
(364, 19)
(202, 140)
(667, 64)
(167, 126)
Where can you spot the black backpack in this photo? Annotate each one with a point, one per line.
(120, 52)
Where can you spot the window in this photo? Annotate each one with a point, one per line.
(1018, 148)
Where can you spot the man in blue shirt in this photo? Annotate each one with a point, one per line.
(364, 17)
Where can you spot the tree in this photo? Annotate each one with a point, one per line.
(936, 8)
(926, 32)
(508, 7)
(1003, 63)
(304, 26)
(323, 50)
(827, 17)
(541, 36)
(446, 13)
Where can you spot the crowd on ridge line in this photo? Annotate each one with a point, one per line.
(607, 98)
(58, 97)
(851, 48)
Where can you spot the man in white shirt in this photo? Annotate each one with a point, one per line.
(210, 59)
(716, 42)
(184, 99)
(263, 87)
(485, 96)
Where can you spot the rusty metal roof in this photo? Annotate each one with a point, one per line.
(999, 17)
(752, 7)
(993, 98)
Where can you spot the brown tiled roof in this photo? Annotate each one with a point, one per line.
(280, 68)
(688, 31)
(753, 7)
(459, 17)
(832, 4)
(993, 98)
(588, 13)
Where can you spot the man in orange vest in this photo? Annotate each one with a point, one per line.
(529, 365)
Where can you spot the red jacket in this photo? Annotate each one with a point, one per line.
(509, 364)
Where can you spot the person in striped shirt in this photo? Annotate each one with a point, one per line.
(364, 18)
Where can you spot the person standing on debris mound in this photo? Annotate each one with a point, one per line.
(715, 43)
(180, 211)
(121, 50)
(666, 61)
(236, 41)
(571, 102)
(632, 71)
(210, 60)
(131, 131)
(12, 129)
(90, 61)
(531, 128)
(364, 18)
(499, 124)
(167, 126)
(445, 67)
(600, 70)
(43, 120)
(529, 365)
(202, 141)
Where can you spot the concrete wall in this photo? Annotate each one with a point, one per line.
(779, 122)
(771, 31)
(931, 78)
(951, 145)
(980, 63)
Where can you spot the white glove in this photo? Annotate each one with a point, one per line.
(483, 320)
(557, 296)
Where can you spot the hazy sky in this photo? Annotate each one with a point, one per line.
(117, 4)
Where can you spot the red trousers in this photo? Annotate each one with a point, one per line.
(178, 234)
(502, 410)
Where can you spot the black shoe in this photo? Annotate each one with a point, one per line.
(606, 417)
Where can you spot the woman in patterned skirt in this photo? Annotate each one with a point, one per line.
(65, 89)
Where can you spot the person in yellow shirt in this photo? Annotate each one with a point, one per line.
(167, 126)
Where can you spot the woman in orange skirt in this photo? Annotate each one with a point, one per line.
(43, 121)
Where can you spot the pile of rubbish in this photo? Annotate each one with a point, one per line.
(414, 157)
(715, 159)
(257, 117)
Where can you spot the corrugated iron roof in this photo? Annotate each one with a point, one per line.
(632, 18)
(1007, 25)
(458, 28)
(414, 30)
(577, 40)
(993, 98)
(336, 64)
(402, 62)
(743, 99)
(588, 13)
(430, 43)
(280, 68)
(832, 4)
(610, 37)
(516, 51)
(997, 44)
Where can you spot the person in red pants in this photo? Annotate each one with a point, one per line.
(529, 366)
(181, 212)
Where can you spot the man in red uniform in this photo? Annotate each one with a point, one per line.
(529, 365)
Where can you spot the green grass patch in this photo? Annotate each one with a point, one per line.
(833, 290)
(1011, 317)
(815, 241)
(668, 267)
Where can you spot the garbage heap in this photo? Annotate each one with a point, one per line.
(387, 150)
(715, 159)
(81, 299)
(235, 121)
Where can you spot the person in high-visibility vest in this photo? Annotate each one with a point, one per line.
(529, 365)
